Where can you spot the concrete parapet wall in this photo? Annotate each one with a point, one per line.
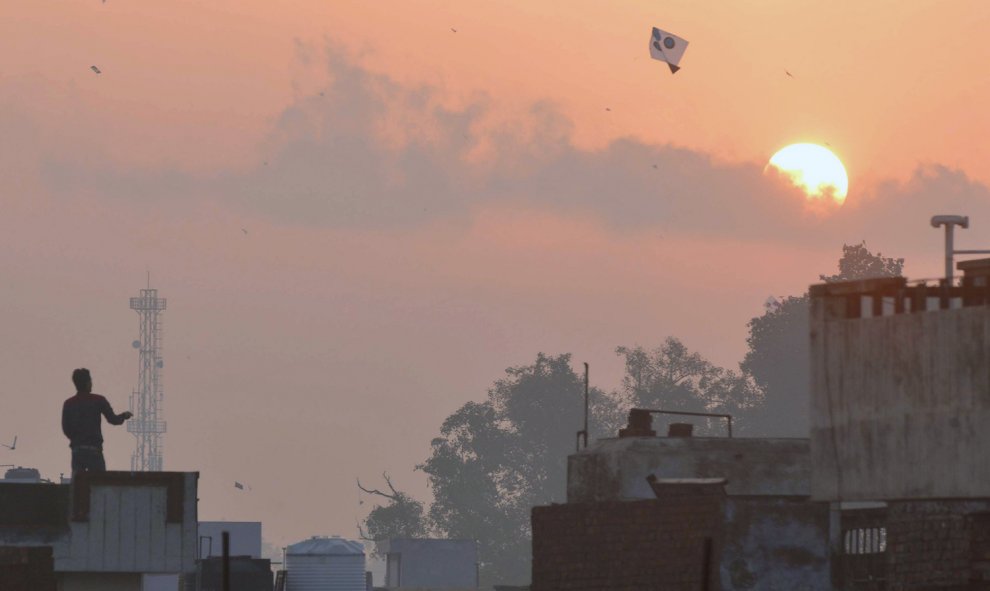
(900, 404)
(616, 469)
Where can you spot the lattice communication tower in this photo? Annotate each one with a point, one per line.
(146, 400)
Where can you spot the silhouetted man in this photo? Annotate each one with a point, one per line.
(81, 424)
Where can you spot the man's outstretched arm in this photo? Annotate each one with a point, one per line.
(114, 419)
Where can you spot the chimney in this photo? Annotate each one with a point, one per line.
(640, 424)
(680, 430)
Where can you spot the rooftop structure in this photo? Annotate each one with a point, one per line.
(420, 563)
(104, 530)
(899, 403)
(325, 564)
(21, 474)
(245, 538)
(722, 512)
(616, 468)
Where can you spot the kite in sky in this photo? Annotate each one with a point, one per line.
(95, 69)
(667, 48)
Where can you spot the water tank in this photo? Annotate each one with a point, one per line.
(20, 474)
(325, 564)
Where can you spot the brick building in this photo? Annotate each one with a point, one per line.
(646, 512)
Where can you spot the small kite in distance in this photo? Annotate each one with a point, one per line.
(240, 486)
(453, 29)
(667, 48)
(95, 69)
(789, 74)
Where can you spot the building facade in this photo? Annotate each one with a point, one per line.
(103, 531)
(681, 512)
(900, 402)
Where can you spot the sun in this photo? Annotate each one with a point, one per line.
(814, 169)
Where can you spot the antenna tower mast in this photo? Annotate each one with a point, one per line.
(146, 400)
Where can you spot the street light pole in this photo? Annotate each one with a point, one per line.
(950, 222)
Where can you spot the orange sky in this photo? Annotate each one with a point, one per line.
(451, 204)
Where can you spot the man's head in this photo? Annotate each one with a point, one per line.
(82, 380)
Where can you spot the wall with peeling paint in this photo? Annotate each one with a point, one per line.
(775, 543)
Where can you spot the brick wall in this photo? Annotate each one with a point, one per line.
(979, 548)
(625, 546)
(937, 545)
(26, 569)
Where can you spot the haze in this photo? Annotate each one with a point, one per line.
(360, 218)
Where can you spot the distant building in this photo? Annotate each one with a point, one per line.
(248, 570)
(107, 530)
(245, 538)
(419, 563)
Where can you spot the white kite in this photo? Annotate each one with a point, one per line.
(667, 48)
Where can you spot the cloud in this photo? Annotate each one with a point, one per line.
(369, 153)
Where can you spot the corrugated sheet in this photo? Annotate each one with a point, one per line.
(325, 573)
(127, 530)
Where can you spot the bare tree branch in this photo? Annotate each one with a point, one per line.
(388, 481)
(361, 533)
(375, 491)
